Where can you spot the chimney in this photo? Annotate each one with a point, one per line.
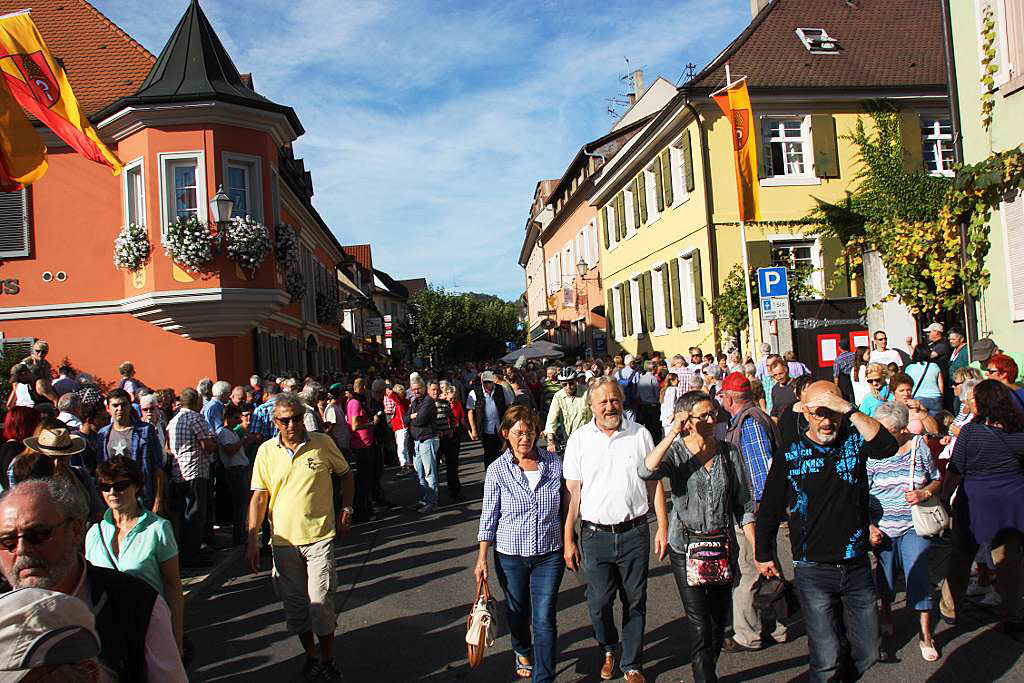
(638, 84)
(757, 5)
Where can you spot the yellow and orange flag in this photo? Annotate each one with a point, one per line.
(734, 101)
(34, 80)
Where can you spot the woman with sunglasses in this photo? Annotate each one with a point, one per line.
(1002, 368)
(133, 540)
(710, 493)
(878, 392)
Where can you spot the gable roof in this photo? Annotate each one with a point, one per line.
(414, 285)
(103, 62)
(390, 285)
(884, 45)
(361, 253)
(195, 66)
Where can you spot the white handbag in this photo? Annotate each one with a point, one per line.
(480, 626)
(930, 518)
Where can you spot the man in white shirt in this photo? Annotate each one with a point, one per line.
(236, 467)
(612, 502)
(881, 353)
(486, 407)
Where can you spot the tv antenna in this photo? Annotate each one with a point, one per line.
(618, 104)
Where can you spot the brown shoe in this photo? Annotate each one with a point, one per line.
(608, 670)
(635, 677)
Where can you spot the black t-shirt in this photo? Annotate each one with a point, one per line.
(782, 398)
(825, 489)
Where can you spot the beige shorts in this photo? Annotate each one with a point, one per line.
(305, 579)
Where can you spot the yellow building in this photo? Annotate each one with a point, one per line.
(667, 201)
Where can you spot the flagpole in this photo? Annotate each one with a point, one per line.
(751, 349)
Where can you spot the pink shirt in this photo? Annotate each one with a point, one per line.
(361, 438)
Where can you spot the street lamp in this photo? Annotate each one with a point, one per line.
(581, 267)
(221, 206)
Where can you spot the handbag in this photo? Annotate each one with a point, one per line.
(480, 626)
(930, 518)
(707, 558)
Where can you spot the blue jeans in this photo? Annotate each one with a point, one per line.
(531, 593)
(909, 552)
(838, 600)
(617, 563)
(425, 462)
(932, 404)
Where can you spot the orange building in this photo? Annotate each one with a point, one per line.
(184, 123)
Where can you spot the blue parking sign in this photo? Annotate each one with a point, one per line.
(772, 282)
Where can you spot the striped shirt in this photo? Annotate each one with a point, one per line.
(191, 461)
(889, 479)
(521, 521)
(263, 420)
(757, 453)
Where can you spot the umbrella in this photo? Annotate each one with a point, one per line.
(537, 350)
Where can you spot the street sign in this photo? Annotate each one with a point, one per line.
(774, 307)
(374, 327)
(772, 282)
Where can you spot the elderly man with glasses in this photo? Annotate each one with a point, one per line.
(36, 361)
(569, 410)
(292, 478)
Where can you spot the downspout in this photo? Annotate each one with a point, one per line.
(970, 305)
(705, 159)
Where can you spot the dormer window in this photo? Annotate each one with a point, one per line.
(818, 41)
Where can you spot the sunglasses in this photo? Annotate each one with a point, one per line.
(117, 486)
(876, 381)
(991, 371)
(36, 536)
(706, 417)
(289, 419)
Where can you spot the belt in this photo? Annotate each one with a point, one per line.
(616, 528)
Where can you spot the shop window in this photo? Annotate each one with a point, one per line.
(15, 223)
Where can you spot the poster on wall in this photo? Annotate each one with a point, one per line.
(828, 349)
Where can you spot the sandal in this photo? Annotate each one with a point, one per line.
(523, 670)
(928, 652)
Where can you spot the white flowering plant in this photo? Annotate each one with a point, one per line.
(286, 250)
(131, 247)
(247, 242)
(190, 243)
(328, 308)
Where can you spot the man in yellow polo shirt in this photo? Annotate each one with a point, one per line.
(292, 476)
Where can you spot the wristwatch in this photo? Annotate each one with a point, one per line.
(348, 509)
(849, 413)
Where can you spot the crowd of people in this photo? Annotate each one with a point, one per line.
(769, 487)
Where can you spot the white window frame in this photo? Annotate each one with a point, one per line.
(132, 166)
(658, 273)
(253, 166)
(651, 192)
(932, 137)
(635, 303)
(609, 217)
(166, 161)
(688, 290)
(1014, 207)
(675, 154)
(807, 149)
(805, 38)
(627, 200)
(818, 276)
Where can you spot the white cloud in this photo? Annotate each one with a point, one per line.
(429, 124)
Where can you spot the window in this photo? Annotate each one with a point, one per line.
(636, 304)
(182, 186)
(15, 223)
(937, 146)
(242, 182)
(652, 193)
(1009, 44)
(617, 319)
(818, 41)
(802, 256)
(594, 249)
(786, 147)
(688, 291)
(275, 197)
(631, 225)
(134, 194)
(658, 292)
(1012, 214)
(613, 232)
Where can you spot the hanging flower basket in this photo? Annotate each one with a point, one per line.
(295, 285)
(328, 308)
(131, 247)
(247, 242)
(286, 250)
(190, 243)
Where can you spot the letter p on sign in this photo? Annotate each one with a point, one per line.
(772, 282)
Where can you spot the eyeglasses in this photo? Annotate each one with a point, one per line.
(881, 338)
(706, 417)
(36, 536)
(991, 371)
(289, 420)
(42, 352)
(118, 486)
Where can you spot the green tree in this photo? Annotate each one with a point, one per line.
(456, 327)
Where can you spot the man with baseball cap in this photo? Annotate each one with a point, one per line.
(756, 436)
(47, 634)
(486, 407)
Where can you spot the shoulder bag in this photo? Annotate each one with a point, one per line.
(930, 518)
(707, 558)
(480, 626)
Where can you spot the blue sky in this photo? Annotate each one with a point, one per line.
(428, 124)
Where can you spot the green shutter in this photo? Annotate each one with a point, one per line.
(642, 187)
(603, 217)
(627, 309)
(666, 174)
(641, 298)
(635, 189)
(666, 288)
(910, 139)
(649, 299)
(609, 313)
(659, 185)
(826, 149)
(677, 297)
(698, 285)
(688, 160)
(620, 215)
